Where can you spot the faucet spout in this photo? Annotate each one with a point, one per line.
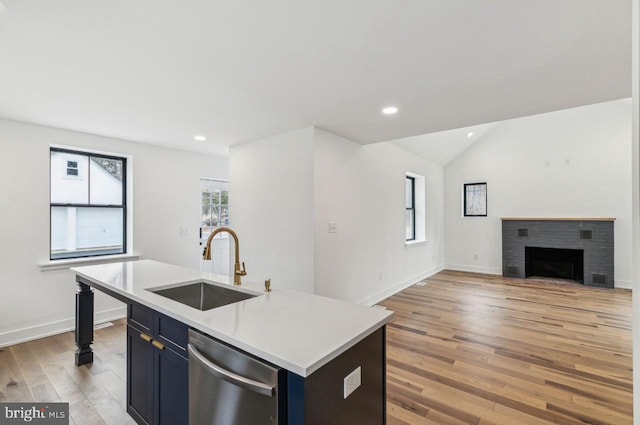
(238, 271)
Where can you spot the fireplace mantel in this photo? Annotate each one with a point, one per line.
(557, 219)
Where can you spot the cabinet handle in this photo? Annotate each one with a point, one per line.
(158, 345)
(241, 381)
(146, 337)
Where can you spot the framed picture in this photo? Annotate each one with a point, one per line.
(475, 199)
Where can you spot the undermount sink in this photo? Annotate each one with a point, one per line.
(202, 296)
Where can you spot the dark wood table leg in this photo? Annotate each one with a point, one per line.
(84, 324)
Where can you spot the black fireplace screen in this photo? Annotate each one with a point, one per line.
(555, 263)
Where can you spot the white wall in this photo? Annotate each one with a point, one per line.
(287, 188)
(362, 190)
(635, 196)
(165, 197)
(271, 208)
(523, 163)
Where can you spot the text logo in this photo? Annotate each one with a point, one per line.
(34, 413)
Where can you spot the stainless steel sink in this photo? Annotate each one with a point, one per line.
(202, 296)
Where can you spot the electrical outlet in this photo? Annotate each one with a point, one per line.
(352, 381)
(184, 231)
(475, 256)
(333, 227)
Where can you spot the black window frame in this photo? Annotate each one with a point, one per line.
(89, 205)
(464, 197)
(412, 208)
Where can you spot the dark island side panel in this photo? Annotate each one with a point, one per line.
(323, 390)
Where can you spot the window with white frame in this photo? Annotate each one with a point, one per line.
(415, 208)
(88, 211)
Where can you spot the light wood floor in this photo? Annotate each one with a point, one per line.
(462, 349)
(478, 349)
(44, 370)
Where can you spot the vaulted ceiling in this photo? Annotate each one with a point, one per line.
(163, 71)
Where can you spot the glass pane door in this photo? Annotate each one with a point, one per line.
(214, 213)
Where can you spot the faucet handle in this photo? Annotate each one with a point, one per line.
(242, 271)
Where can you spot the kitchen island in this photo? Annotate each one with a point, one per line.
(318, 341)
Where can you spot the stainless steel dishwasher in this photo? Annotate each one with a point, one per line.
(228, 387)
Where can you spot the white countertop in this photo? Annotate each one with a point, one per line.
(294, 330)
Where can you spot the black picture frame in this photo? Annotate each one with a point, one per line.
(474, 197)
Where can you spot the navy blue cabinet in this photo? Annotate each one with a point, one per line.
(157, 368)
(158, 372)
(140, 376)
(158, 378)
(172, 397)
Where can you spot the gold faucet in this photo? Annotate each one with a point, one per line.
(239, 271)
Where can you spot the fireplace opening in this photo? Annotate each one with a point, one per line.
(555, 263)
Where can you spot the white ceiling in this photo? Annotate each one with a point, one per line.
(162, 71)
(443, 146)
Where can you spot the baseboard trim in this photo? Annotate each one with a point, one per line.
(473, 269)
(53, 328)
(623, 284)
(386, 293)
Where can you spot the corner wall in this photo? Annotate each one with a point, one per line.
(570, 163)
(271, 199)
(285, 190)
(362, 190)
(36, 303)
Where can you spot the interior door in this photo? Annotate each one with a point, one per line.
(214, 213)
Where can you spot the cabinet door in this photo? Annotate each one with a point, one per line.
(139, 377)
(172, 386)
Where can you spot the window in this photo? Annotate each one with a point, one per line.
(475, 199)
(72, 168)
(410, 208)
(88, 212)
(415, 209)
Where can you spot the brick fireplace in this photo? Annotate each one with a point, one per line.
(579, 249)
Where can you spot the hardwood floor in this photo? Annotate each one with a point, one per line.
(479, 349)
(44, 370)
(462, 349)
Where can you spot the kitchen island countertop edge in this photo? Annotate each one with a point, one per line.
(298, 331)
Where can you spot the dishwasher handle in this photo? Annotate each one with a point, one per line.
(241, 381)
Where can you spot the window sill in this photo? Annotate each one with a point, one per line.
(65, 264)
(418, 242)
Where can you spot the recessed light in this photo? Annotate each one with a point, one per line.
(389, 110)
(470, 135)
(199, 138)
